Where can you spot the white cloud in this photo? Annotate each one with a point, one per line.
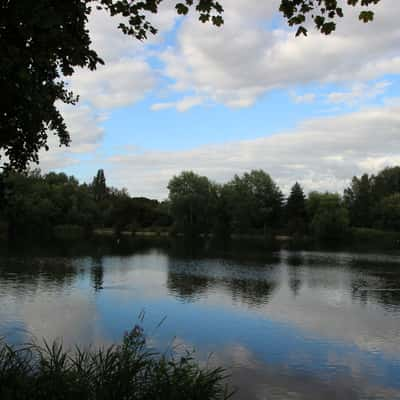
(86, 133)
(238, 63)
(182, 105)
(322, 154)
(111, 44)
(125, 79)
(303, 98)
(358, 93)
(235, 65)
(117, 84)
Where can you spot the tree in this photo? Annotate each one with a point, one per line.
(192, 199)
(296, 212)
(42, 42)
(359, 200)
(255, 202)
(330, 219)
(222, 225)
(388, 213)
(99, 186)
(35, 204)
(387, 182)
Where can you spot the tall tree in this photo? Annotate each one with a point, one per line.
(43, 41)
(359, 200)
(296, 212)
(192, 199)
(99, 186)
(255, 201)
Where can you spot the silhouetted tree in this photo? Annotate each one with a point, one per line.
(99, 186)
(296, 212)
(323, 13)
(359, 200)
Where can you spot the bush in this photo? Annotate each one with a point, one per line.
(127, 371)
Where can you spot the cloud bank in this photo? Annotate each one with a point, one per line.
(253, 53)
(322, 154)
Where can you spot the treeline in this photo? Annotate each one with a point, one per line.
(33, 203)
(252, 204)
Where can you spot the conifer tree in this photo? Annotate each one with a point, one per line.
(296, 211)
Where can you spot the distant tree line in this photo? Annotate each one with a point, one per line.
(254, 204)
(33, 203)
(251, 204)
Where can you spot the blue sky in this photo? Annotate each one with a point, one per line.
(226, 100)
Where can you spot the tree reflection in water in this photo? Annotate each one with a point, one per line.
(97, 273)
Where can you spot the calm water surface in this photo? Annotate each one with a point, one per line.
(289, 325)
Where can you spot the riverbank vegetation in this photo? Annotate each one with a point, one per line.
(251, 204)
(127, 371)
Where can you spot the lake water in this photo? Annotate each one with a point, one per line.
(288, 325)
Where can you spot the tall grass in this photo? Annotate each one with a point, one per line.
(128, 371)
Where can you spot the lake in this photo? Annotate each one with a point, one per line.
(287, 324)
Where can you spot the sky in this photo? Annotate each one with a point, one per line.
(222, 101)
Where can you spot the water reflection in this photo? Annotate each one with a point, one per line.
(249, 283)
(295, 261)
(382, 284)
(30, 273)
(97, 273)
(304, 325)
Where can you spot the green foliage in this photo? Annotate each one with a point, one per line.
(323, 13)
(35, 204)
(387, 182)
(296, 211)
(359, 200)
(255, 201)
(389, 213)
(372, 200)
(330, 219)
(127, 371)
(222, 224)
(99, 186)
(252, 204)
(192, 200)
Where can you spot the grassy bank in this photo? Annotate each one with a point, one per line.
(129, 371)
